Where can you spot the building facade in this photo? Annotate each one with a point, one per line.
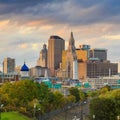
(8, 65)
(24, 72)
(55, 47)
(119, 67)
(42, 61)
(71, 56)
(100, 82)
(95, 69)
(39, 71)
(101, 54)
(91, 63)
(11, 77)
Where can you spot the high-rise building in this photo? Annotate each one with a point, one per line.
(69, 60)
(55, 47)
(119, 67)
(95, 69)
(8, 65)
(71, 56)
(101, 54)
(85, 62)
(42, 61)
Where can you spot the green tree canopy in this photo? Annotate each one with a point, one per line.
(75, 92)
(103, 109)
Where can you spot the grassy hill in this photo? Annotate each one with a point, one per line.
(13, 116)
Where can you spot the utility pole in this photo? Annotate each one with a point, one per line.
(81, 111)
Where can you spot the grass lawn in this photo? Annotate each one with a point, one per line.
(13, 116)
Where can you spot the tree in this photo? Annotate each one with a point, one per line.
(19, 94)
(83, 95)
(75, 92)
(104, 90)
(103, 109)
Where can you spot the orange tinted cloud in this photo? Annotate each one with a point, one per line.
(3, 24)
(35, 23)
(112, 37)
(23, 46)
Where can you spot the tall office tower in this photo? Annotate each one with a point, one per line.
(8, 65)
(42, 61)
(55, 47)
(95, 69)
(101, 54)
(71, 56)
(119, 67)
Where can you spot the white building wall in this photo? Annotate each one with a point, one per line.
(75, 69)
(24, 73)
(119, 67)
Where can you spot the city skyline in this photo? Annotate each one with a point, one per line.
(26, 25)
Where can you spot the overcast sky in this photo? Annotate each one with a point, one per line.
(25, 25)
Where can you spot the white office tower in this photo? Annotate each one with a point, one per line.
(75, 69)
(109, 72)
(119, 67)
(46, 73)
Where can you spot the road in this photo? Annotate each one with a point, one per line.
(79, 112)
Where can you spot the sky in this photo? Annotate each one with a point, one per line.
(25, 25)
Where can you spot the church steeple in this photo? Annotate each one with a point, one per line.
(71, 40)
(71, 46)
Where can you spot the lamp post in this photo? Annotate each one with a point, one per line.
(81, 107)
(67, 108)
(1, 109)
(118, 117)
(39, 114)
(34, 110)
(93, 116)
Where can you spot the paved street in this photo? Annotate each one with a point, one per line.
(79, 112)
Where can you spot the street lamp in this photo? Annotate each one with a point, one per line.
(93, 117)
(67, 108)
(34, 110)
(81, 110)
(39, 114)
(118, 117)
(1, 109)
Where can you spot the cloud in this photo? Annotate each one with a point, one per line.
(112, 37)
(3, 23)
(77, 12)
(23, 46)
(25, 25)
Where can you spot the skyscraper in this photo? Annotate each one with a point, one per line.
(8, 65)
(71, 56)
(55, 47)
(101, 54)
(42, 61)
(69, 60)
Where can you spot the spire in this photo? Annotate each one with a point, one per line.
(72, 35)
(24, 61)
(44, 46)
(71, 46)
(71, 40)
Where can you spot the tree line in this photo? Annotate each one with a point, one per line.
(105, 104)
(26, 96)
